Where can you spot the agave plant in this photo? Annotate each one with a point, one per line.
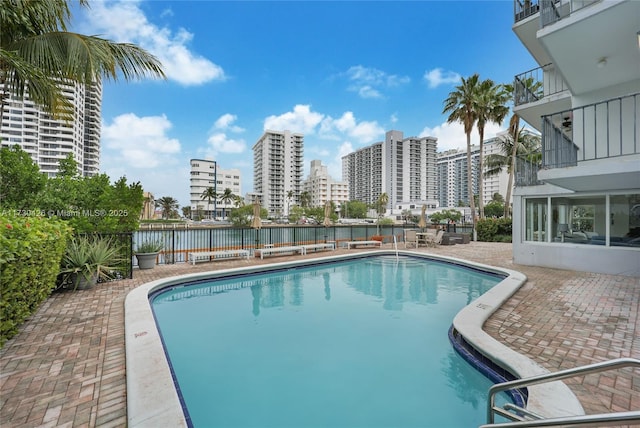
(88, 259)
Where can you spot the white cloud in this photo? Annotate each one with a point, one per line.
(367, 91)
(365, 132)
(394, 118)
(301, 119)
(437, 77)
(368, 82)
(220, 143)
(140, 149)
(139, 142)
(452, 136)
(124, 21)
(225, 122)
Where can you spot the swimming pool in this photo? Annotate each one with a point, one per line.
(264, 321)
(355, 343)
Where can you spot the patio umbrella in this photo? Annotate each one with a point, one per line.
(327, 218)
(327, 214)
(256, 223)
(423, 218)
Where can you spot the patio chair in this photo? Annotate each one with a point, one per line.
(429, 239)
(438, 239)
(410, 238)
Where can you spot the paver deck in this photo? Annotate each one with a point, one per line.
(66, 367)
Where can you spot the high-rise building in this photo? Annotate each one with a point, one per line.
(277, 170)
(322, 187)
(580, 208)
(50, 140)
(403, 168)
(453, 186)
(496, 183)
(206, 173)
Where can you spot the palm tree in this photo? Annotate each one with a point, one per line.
(238, 201)
(459, 104)
(290, 196)
(168, 205)
(37, 53)
(489, 106)
(226, 198)
(209, 193)
(381, 207)
(305, 199)
(528, 145)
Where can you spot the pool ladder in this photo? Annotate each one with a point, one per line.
(524, 418)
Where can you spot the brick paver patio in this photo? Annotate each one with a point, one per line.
(66, 367)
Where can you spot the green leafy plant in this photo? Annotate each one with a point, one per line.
(149, 246)
(31, 248)
(88, 257)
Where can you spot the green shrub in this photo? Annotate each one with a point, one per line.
(31, 249)
(494, 230)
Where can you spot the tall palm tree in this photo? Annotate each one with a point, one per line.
(226, 198)
(37, 53)
(305, 199)
(290, 196)
(459, 104)
(381, 207)
(209, 193)
(528, 146)
(238, 201)
(168, 205)
(490, 105)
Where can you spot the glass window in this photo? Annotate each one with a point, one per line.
(536, 219)
(579, 220)
(625, 220)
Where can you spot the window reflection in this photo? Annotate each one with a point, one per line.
(585, 219)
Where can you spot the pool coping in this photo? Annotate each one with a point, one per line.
(152, 399)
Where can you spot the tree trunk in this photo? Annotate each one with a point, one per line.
(481, 175)
(472, 203)
(514, 131)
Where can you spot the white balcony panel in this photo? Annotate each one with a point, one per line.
(620, 173)
(581, 63)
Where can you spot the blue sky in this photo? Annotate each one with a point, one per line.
(343, 73)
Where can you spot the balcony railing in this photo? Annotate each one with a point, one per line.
(525, 8)
(553, 10)
(535, 84)
(603, 130)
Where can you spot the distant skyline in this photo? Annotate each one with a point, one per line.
(342, 73)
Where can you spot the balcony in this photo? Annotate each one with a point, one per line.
(533, 85)
(552, 11)
(523, 9)
(592, 137)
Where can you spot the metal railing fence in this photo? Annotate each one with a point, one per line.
(524, 8)
(179, 242)
(601, 130)
(552, 11)
(536, 84)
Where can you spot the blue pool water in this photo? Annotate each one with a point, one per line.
(359, 343)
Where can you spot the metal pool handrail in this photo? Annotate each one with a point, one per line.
(605, 419)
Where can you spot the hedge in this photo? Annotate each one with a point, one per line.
(31, 249)
(494, 229)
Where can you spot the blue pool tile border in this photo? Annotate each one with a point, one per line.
(486, 366)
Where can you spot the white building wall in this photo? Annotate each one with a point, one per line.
(277, 169)
(206, 173)
(322, 187)
(49, 140)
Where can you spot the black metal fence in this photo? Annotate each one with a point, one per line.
(123, 241)
(179, 242)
